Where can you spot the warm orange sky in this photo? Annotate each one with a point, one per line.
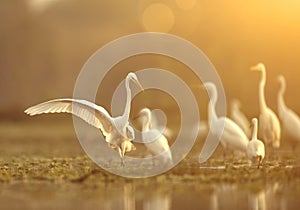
(43, 48)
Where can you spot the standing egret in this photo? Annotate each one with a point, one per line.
(290, 120)
(232, 136)
(154, 140)
(116, 130)
(239, 117)
(269, 125)
(256, 148)
(159, 122)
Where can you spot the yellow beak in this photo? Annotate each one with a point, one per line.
(139, 84)
(255, 68)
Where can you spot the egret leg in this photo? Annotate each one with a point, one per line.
(122, 162)
(259, 161)
(121, 156)
(224, 153)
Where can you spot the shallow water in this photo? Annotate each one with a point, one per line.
(130, 196)
(47, 170)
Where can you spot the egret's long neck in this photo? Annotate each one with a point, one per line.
(281, 103)
(146, 122)
(262, 100)
(254, 133)
(128, 100)
(212, 115)
(234, 109)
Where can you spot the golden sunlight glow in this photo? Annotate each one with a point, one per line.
(40, 5)
(186, 4)
(158, 17)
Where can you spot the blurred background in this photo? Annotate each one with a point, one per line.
(45, 43)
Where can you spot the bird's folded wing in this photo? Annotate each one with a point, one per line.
(273, 126)
(152, 136)
(93, 114)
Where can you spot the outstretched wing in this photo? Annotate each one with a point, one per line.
(91, 113)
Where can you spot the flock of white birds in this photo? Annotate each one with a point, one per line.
(235, 134)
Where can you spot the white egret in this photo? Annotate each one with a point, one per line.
(269, 125)
(154, 139)
(116, 130)
(159, 122)
(239, 117)
(290, 120)
(233, 137)
(256, 148)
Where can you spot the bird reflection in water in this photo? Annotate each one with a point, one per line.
(158, 199)
(257, 199)
(132, 197)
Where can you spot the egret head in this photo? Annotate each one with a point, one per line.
(254, 121)
(235, 103)
(132, 76)
(210, 88)
(145, 112)
(281, 79)
(145, 117)
(258, 67)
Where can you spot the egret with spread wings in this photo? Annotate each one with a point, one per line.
(116, 130)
